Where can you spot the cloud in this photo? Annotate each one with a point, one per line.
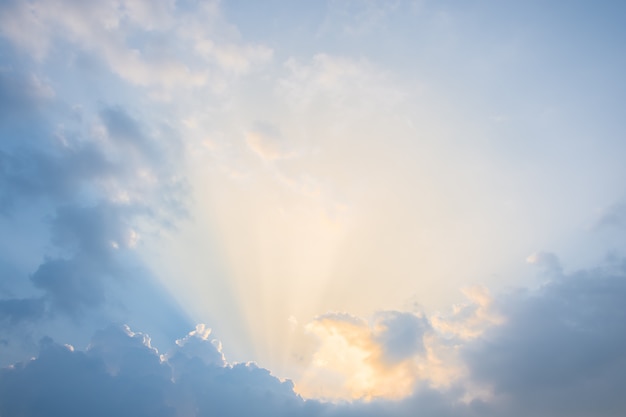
(18, 309)
(400, 334)
(612, 218)
(558, 351)
(63, 381)
(561, 351)
(91, 168)
(360, 18)
(267, 142)
(163, 44)
(21, 94)
(71, 285)
(356, 359)
(120, 373)
(546, 260)
(232, 57)
(197, 345)
(87, 234)
(32, 174)
(395, 352)
(78, 188)
(347, 88)
(469, 320)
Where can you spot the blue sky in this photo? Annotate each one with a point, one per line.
(325, 208)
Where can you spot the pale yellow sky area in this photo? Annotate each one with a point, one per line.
(337, 223)
(338, 190)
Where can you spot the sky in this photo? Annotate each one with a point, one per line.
(332, 208)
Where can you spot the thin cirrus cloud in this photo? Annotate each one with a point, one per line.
(317, 199)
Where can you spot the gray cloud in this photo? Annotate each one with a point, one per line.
(613, 218)
(400, 334)
(549, 262)
(28, 175)
(75, 185)
(561, 351)
(17, 309)
(20, 95)
(121, 374)
(71, 383)
(558, 352)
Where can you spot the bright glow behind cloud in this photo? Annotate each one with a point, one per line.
(394, 353)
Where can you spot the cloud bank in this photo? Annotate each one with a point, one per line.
(557, 351)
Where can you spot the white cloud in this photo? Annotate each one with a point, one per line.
(163, 56)
(545, 260)
(268, 143)
(352, 87)
(471, 319)
(356, 359)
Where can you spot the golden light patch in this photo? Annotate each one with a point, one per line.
(349, 363)
(389, 356)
